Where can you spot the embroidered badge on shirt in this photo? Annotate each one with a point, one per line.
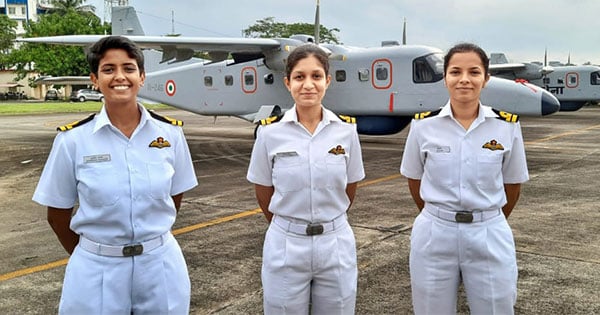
(160, 143)
(337, 150)
(493, 145)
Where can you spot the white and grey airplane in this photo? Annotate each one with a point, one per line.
(382, 87)
(573, 86)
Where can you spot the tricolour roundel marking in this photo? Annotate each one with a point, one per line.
(170, 87)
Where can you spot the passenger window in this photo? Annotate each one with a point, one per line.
(228, 80)
(381, 73)
(363, 74)
(269, 79)
(340, 75)
(208, 81)
(248, 79)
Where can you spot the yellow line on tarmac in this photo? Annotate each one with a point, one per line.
(62, 262)
(187, 229)
(564, 134)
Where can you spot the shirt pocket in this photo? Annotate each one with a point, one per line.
(160, 177)
(98, 184)
(489, 171)
(441, 168)
(336, 171)
(289, 173)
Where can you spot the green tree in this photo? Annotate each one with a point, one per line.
(57, 60)
(7, 37)
(269, 28)
(63, 6)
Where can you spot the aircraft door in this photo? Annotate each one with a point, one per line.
(572, 79)
(381, 74)
(249, 83)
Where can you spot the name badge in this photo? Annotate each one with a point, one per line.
(99, 158)
(284, 154)
(442, 149)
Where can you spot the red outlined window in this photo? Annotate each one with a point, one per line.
(572, 79)
(381, 74)
(249, 83)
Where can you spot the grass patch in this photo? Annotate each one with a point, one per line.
(30, 108)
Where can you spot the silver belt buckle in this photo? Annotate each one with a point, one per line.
(463, 217)
(133, 250)
(314, 229)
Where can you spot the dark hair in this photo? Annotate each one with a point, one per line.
(464, 48)
(96, 52)
(306, 51)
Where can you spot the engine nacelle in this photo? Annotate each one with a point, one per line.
(381, 125)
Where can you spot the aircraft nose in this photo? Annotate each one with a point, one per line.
(549, 104)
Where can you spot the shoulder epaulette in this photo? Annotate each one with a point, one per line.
(270, 120)
(506, 116)
(423, 115)
(348, 119)
(166, 119)
(75, 123)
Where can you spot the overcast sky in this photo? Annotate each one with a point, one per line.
(522, 29)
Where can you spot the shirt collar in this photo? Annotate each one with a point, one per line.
(484, 111)
(103, 120)
(328, 116)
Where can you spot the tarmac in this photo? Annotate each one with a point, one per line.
(221, 230)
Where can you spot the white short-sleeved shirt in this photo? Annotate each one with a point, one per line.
(123, 185)
(309, 173)
(465, 169)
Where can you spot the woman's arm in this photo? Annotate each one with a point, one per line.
(414, 185)
(60, 220)
(513, 191)
(263, 196)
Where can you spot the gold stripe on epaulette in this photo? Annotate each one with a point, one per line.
(269, 120)
(75, 123)
(166, 119)
(506, 116)
(509, 117)
(422, 115)
(348, 119)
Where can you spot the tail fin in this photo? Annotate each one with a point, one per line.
(498, 58)
(125, 21)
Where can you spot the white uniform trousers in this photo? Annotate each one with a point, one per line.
(481, 253)
(299, 271)
(155, 282)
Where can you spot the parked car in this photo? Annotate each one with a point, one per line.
(51, 95)
(86, 95)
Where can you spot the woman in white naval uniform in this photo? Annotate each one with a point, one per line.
(464, 164)
(128, 169)
(305, 168)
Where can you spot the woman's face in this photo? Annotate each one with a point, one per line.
(119, 77)
(465, 77)
(308, 82)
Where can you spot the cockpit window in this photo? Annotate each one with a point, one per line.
(595, 78)
(428, 69)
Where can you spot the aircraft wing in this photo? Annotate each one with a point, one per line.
(64, 80)
(506, 67)
(201, 44)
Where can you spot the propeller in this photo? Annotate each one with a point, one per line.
(317, 23)
(546, 69)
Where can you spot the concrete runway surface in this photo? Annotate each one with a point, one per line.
(221, 230)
